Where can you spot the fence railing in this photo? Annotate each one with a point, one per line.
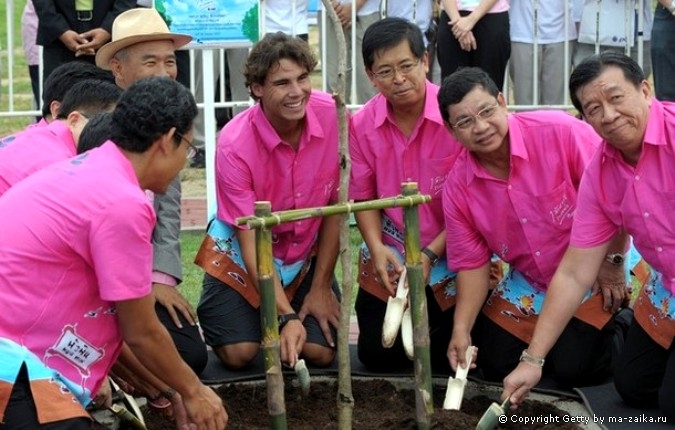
(15, 96)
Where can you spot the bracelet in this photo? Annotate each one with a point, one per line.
(531, 359)
(671, 8)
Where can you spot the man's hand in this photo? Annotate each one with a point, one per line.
(322, 304)
(612, 282)
(72, 40)
(344, 12)
(94, 39)
(205, 410)
(517, 384)
(457, 350)
(382, 257)
(174, 302)
(293, 336)
(103, 397)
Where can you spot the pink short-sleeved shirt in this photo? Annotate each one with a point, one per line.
(254, 164)
(383, 158)
(640, 199)
(30, 150)
(74, 239)
(526, 220)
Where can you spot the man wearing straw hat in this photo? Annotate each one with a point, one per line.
(143, 46)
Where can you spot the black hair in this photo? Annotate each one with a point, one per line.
(591, 67)
(95, 133)
(89, 97)
(62, 78)
(388, 33)
(148, 109)
(460, 83)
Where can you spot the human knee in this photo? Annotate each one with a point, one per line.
(631, 390)
(238, 355)
(318, 355)
(196, 358)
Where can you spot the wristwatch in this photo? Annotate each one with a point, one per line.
(531, 359)
(615, 259)
(431, 254)
(671, 8)
(285, 318)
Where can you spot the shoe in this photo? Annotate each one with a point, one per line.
(199, 160)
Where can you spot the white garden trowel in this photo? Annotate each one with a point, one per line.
(455, 391)
(394, 313)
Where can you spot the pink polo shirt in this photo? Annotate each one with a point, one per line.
(253, 163)
(526, 219)
(383, 158)
(30, 150)
(74, 239)
(640, 199)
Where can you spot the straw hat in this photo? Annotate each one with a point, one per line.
(136, 26)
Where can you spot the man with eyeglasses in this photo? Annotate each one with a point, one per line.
(513, 193)
(399, 136)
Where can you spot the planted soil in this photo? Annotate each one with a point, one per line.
(378, 405)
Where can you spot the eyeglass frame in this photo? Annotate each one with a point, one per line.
(471, 119)
(192, 150)
(391, 72)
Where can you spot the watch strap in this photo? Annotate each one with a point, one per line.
(285, 318)
(431, 254)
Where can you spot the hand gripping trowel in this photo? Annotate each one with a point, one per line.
(455, 391)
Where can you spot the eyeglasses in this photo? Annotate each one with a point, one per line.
(486, 113)
(404, 69)
(192, 150)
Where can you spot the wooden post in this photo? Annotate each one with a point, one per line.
(423, 391)
(269, 322)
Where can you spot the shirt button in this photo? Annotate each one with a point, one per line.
(298, 195)
(672, 279)
(537, 253)
(524, 220)
(637, 177)
(646, 214)
(509, 186)
(659, 249)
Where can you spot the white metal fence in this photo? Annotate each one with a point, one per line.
(633, 41)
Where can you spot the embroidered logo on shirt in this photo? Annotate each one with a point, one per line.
(562, 211)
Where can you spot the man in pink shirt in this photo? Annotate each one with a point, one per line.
(77, 261)
(513, 193)
(399, 136)
(283, 150)
(628, 185)
(26, 152)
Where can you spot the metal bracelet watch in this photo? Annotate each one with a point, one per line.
(531, 359)
(431, 254)
(285, 318)
(615, 259)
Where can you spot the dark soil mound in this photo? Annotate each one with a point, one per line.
(378, 405)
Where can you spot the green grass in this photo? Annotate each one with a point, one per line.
(22, 97)
(192, 274)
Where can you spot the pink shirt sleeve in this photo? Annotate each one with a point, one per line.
(124, 264)
(362, 184)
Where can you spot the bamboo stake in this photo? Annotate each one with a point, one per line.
(276, 218)
(345, 399)
(269, 323)
(423, 392)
